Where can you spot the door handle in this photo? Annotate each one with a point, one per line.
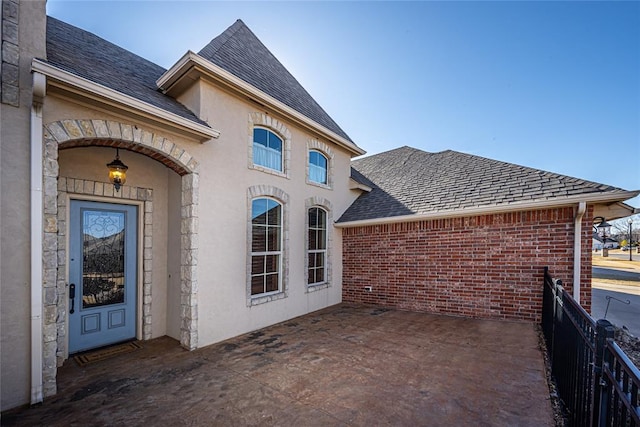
(72, 296)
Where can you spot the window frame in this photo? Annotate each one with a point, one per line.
(281, 152)
(277, 195)
(314, 145)
(324, 251)
(311, 166)
(266, 253)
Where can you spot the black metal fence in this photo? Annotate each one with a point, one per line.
(596, 381)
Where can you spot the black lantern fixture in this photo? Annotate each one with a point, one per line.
(602, 229)
(117, 172)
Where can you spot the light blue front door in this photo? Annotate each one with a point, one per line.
(102, 274)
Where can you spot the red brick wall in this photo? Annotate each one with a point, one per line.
(488, 266)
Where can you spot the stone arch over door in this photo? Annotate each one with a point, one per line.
(80, 133)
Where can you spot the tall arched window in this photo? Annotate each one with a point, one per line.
(266, 246)
(317, 167)
(267, 149)
(317, 246)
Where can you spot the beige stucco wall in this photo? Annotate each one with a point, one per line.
(225, 178)
(14, 219)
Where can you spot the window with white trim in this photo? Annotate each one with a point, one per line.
(266, 246)
(267, 149)
(317, 246)
(318, 167)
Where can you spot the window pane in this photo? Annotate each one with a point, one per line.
(274, 214)
(312, 260)
(319, 275)
(257, 264)
(271, 263)
(258, 211)
(322, 219)
(311, 277)
(313, 239)
(257, 285)
(319, 260)
(313, 217)
(260, 136)
(259, 238)
(271, 282)
(321, 240)
(273, 239)
(275, 142)
(317, 167)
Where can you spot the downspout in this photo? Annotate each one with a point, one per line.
(577, 250)
(39, 85)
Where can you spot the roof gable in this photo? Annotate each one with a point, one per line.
(88, 56)
(408, 181)
(238, 51)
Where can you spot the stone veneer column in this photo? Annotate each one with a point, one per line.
(189, 262)
(10, 53)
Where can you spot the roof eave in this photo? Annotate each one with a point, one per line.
(122, 101)
(493, 209)
(192, 62)
(355, 185)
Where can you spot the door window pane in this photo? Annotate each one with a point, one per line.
(103, 255)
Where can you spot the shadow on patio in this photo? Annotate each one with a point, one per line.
(345, 365)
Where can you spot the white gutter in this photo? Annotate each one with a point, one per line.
(191, 59)
(485, 210)
(119, 99)
(39, 88)
(577, 250)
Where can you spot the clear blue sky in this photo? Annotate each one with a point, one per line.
(550, 85)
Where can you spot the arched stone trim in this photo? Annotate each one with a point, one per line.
(264, 120)
(75, 133)
(282, 197)
(78, 133)
(314, 144)
(328, 207)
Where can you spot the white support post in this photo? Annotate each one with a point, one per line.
(36, 184)
(577, 250)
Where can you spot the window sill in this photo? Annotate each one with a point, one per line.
(317, 287)
(269, 171)
(261, 299)
(318, 184)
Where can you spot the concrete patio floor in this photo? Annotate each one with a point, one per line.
(345, 365)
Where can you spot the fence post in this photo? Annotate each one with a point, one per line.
(604, 331)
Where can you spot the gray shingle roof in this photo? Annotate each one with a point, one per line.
(93, 58)
(409, 181)
(238, 51)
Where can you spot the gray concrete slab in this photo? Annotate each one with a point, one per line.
(345, 365)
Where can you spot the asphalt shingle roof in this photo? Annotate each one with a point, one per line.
(238, 51)
(408, 181)
(93, 58)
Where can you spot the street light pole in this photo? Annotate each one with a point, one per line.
(630, 240)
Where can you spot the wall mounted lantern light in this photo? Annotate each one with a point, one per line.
(117, 172)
